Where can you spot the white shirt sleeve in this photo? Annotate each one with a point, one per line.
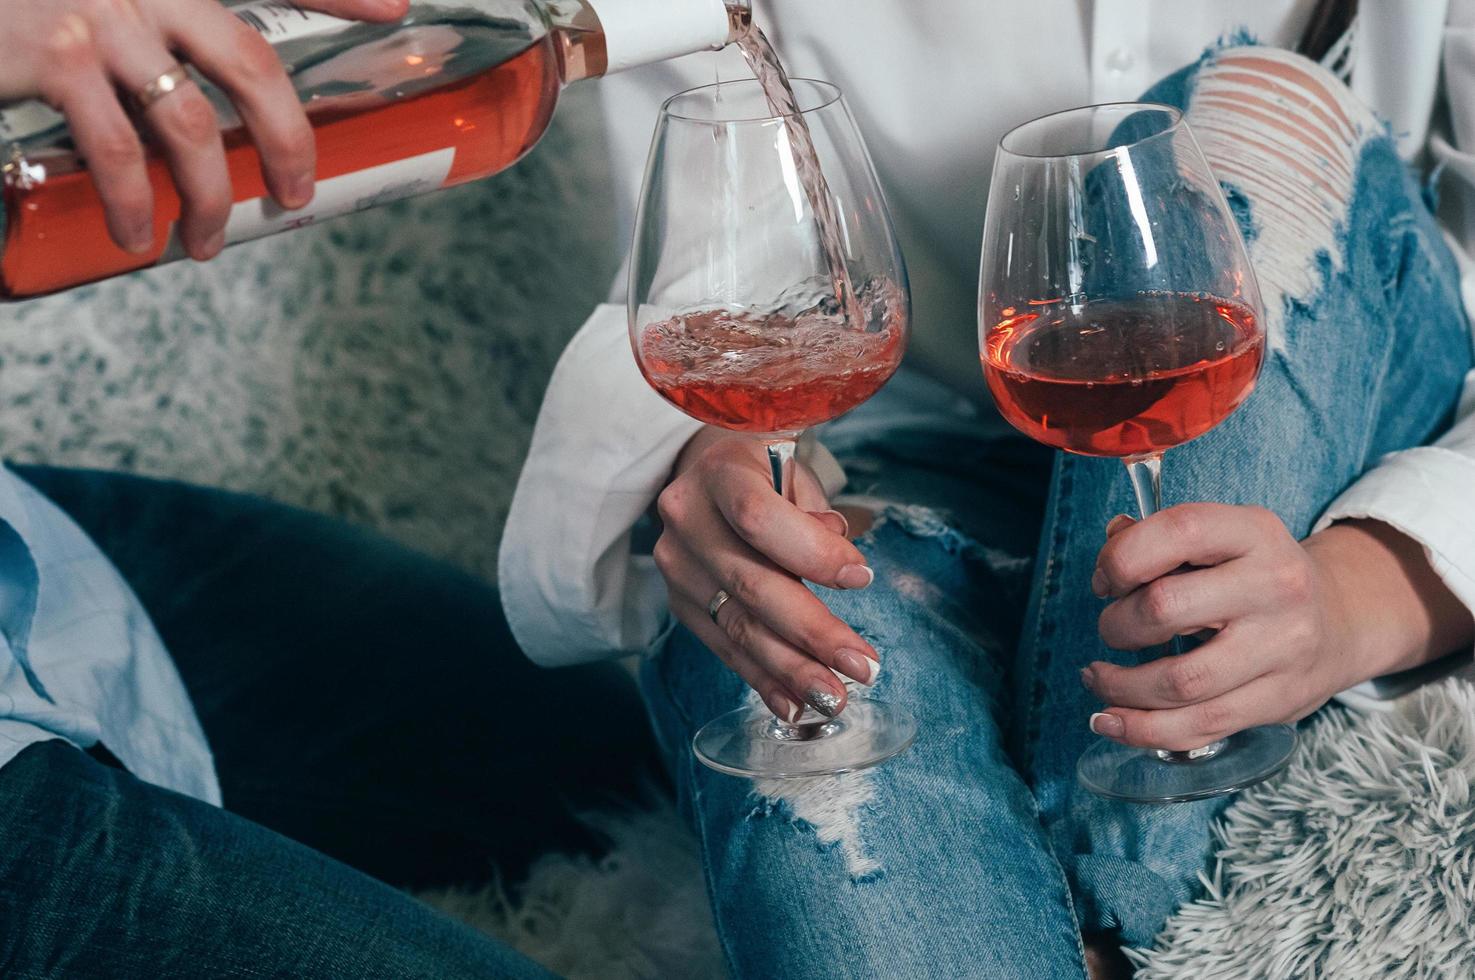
(1425, 493)
(602, 450)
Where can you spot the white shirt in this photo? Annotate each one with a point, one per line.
(934, 85)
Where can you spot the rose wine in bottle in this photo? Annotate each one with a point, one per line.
(456, 91)
(1123, 377)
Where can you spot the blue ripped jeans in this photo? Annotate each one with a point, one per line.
(976, 854)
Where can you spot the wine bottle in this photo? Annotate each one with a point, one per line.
(455, 91)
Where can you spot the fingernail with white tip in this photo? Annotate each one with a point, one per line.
(856, 666)
(855, 577)
(784, 709)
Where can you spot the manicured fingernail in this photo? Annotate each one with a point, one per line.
(824, 702)
(213, 245)
(299, 191)
(785, 709)
(141, 238)
(1116, 524)
(855, 577)
(844, 524)
(857, 666)
(1109, 725)
(1099, 584)
(1086, 678)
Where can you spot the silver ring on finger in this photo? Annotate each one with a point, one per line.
(155, 90)
(715, 605)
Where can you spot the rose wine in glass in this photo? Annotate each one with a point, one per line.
(1122, 378)
(1119, 316)
(751, 310)
(768, 374)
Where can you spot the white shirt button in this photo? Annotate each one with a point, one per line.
(1120, 61)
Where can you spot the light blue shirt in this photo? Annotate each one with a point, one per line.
(79, 657)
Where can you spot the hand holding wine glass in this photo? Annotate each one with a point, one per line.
(1119, 317)
(1288, 626)
(721, 517)
(767, 295)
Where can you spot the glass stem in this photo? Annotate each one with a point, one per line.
(1147, 482)
(781, 463)
(810, 724)
(1146, 473)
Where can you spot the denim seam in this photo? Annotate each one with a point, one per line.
(1369, 422)
(657, 662)
(1063, 881)
(689, 760)
(650, 708)
(1036, 663)
(1374, 402)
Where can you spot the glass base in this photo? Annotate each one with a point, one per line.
(752, 742)
(1121, 772)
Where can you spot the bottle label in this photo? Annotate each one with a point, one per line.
(357, 191)
(280, 20)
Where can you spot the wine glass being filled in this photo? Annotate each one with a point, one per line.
(1119, 317)
(768, 295)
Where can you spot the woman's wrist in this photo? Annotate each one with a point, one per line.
(1387, 610)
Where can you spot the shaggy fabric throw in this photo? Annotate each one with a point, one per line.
(1355, 863)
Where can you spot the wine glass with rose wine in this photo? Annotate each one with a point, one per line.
(768, 295)
(1119, 316)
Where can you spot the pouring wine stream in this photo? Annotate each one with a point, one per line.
(769, 71)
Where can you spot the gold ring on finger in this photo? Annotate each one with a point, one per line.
(715, 605)
(160, 87)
